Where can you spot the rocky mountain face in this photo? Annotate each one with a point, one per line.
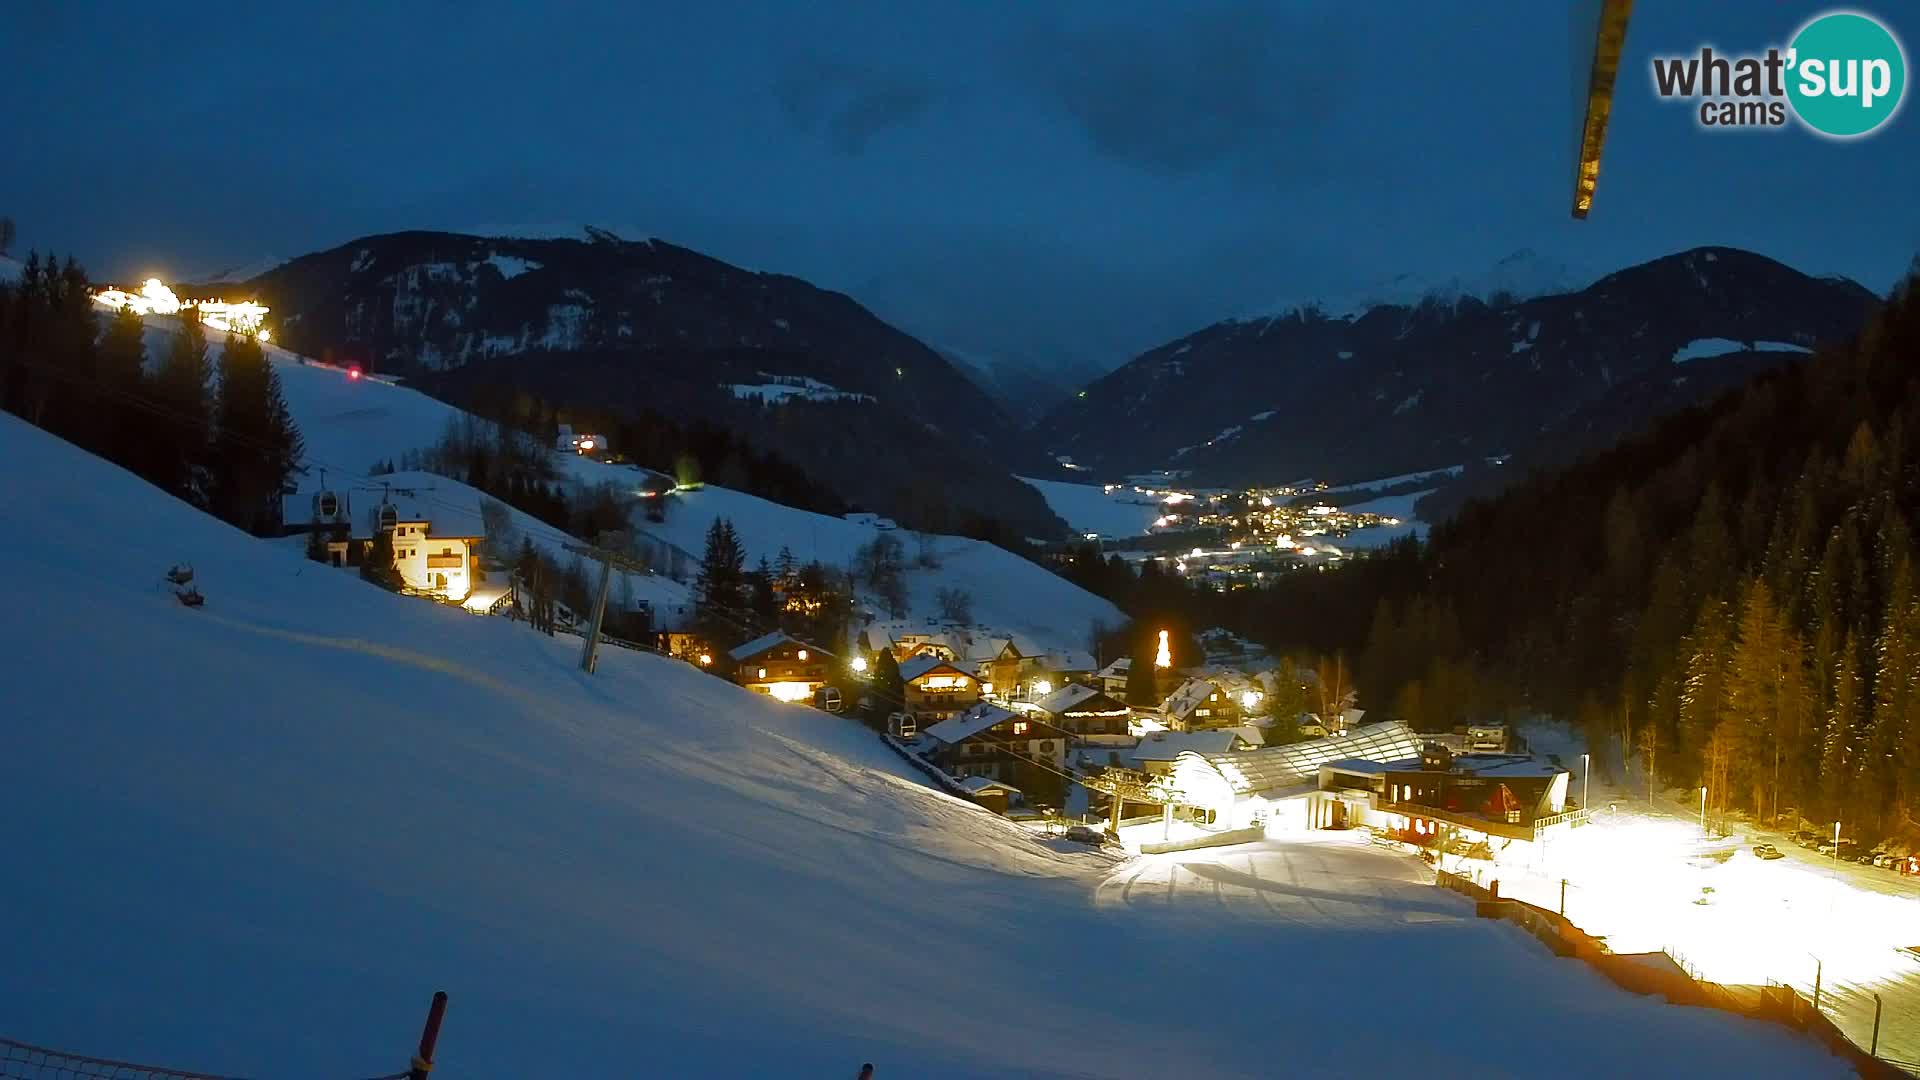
(603, 322)
(1395, 388)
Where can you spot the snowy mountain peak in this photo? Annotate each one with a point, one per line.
(1521, 275)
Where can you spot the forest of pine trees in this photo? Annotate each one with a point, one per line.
(1730, 597)
(225, 443)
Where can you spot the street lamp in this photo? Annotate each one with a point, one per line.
(1586, 781)
(1836, 851)
(1703, 810)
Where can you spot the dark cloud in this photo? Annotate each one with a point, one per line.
(1192, 88)
(848, 104)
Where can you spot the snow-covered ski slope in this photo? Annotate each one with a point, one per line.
(251, 839)
(1009, 593)
(349, 424)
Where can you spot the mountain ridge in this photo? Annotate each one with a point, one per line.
(604, 323)
(1400, 388)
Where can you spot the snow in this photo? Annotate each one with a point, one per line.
(779, 393)
(454, 509)
(1393, 506)
(1260, 416)
(511, 266)
(554, 231)
(1391, 481)
(1091, 508)
(1702, 348)
(11, 269)
(312, 791)
(1009, 593)
(565, 322)
(1409, 402)
(350, 424)
(1636, 873)
(1524, 274)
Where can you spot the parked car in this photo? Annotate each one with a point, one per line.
(1767, 851)
(1806, 838)
(1086, 834)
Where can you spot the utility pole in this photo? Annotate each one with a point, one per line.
(590, 649)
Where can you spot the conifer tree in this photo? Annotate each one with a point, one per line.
(1143, 678)
(377, 565)
(256, 445)
(123, 389)
(889, 689)
(717, 588)
(762, 582)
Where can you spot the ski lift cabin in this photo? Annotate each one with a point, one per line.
(901, 726)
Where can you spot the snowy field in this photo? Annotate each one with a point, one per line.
(1009, 593)
(1091, 508)
(251, 839)
(1390, 481)
(1706, 348)
(1393, 506)
(1643, 876)
(349, 424)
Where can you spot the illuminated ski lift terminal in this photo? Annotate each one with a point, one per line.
(155, 298)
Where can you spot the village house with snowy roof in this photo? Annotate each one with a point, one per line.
(937, 688)
(1085, 714)
(779, 666)
(435, 547)
(995, 742)
(1202, 702)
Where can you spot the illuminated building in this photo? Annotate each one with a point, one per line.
(780, 667)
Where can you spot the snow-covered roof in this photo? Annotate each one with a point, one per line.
(916, 666)
(1067, 697)
(1118, 669)
(967, 724)
(1068, 660)
(1167, 745)
(758, 645)
(1280, 766)
(978, 784)
(1188, 697)
(1255, 734)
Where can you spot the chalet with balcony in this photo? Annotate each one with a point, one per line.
(780, 667)
(1201, 703)
(995, 742)
(937, 689)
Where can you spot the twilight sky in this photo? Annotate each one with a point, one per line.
(1048, 183)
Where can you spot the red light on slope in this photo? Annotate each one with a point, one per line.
(353, 373)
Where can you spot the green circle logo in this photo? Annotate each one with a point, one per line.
(1847, 74)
